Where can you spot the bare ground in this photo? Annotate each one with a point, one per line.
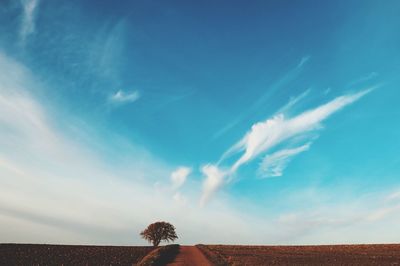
(25, 254)
(190, 256)
(32, 254)
(383, 254)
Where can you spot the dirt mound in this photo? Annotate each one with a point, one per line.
(160, 256)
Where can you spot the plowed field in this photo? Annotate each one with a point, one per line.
(305, 255)
(26, 254)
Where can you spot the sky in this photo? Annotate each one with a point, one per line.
(262, 122)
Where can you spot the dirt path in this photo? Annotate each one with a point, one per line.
(190, 255)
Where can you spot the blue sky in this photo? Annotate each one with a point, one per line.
(216, 116)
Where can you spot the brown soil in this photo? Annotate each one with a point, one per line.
(24, 254)
(308, 255)
(27, 254)
(190, 256)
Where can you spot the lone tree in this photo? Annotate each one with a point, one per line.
(159, 231)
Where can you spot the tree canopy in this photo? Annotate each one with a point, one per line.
(159, 231)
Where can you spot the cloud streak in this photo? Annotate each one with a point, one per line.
(274, 164)
(121, 97)
(263, 99)
(292, 102)
(29, 9)
(264, 137)
(55, 189)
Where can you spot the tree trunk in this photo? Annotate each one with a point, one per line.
(156, 243)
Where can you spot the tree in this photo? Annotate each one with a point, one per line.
(159, 231)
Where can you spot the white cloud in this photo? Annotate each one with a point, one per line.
(28, 18)
(329, 218)
(178, 177)
(382, 212)
(274, 164)
(19, 114)
(393, 196)
(214, 178)
(265, 135)
(55, 189)
(278, 130)
(121, 97)
(179, 198)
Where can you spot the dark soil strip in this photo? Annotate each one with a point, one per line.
(30, 254)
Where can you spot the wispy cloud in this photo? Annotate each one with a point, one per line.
(53, 184)
(393, 196)
(344, 221)
(179, 176)
(107, 51)
(51, 187)
(362, 80)
(274, 164)
(263, 99)
(121, 97)
(292, 102)
(327, 91)
(214, 178)
(303, 60)
(179, 198)
(29, 9)
(264, 136)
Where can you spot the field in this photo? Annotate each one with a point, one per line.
(303, 255)
(26, 254)
(36, 255)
